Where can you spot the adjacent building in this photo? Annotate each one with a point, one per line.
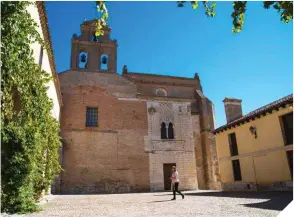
(124, 132)
(44, 57)
(255, 151)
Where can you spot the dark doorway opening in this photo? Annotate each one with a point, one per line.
(167, 173)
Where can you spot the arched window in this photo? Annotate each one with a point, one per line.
(171, 131)
(83, 60)
(94, 37)
(161, 92)
(104, 62)
(163, 131)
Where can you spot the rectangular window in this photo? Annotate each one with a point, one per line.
(92, 117)
(287, 122)
(290, 162)
(237, 170)
(233, 144)
(41, 57)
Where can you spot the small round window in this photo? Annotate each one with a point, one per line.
(161, 92)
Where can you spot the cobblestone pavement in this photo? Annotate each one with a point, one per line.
(196, 203)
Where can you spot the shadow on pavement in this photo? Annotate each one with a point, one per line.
(170, 194)
(159, 201)
(276, 200)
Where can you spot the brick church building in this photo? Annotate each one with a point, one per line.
(123, 133)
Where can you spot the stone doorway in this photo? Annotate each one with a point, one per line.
(167, 172)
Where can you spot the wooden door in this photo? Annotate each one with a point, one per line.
(167, 173)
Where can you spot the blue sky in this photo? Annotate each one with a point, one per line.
(159, 38)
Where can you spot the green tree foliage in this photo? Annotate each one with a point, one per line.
(285, 8)
(29, 134)
(102, 20)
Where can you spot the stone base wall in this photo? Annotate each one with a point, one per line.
(56, 187)
(250, 186)
(103, 187)
(186, 168)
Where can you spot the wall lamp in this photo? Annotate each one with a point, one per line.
(253, 131)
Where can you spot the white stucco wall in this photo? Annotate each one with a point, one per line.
(36, 47)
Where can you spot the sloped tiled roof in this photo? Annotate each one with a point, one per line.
(161, 79)
(47, 38)
(257, 113)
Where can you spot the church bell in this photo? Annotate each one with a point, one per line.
(104, 60)
(83, 58)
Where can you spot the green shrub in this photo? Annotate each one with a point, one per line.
(29, 134)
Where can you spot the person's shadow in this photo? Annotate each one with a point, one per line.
(159, 201)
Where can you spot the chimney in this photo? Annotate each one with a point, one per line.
(233, 108)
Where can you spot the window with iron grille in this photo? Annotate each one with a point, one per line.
(92, 117)
(287, 127)
(237, 170)
(233, 144)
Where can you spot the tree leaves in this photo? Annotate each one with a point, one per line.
(29, 131)
(285, 8)
(238, 15)
(209, 8)
(194, 4)
(102, 20)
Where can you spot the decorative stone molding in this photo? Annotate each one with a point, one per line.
(169, 145)
(74, 37)
(125, 69)
(161, 92)
(151, 110)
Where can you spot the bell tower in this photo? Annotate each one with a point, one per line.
(91, 53)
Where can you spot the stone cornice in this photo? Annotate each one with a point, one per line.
(164, 83)
(145, 78)
(156, 75)
(112, 43)
(156, 98)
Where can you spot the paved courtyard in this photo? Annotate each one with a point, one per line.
(196, 203)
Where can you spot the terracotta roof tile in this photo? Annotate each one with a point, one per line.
(256, 113)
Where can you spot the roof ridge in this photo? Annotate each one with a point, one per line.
(157, 75)
(276, 101)
(263, 109)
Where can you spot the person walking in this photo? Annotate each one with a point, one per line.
(175, 182)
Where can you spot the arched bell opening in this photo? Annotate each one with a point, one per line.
(104, 62)
(83, 60)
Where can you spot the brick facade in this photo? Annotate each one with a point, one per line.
(107, 158)
(125, 152)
